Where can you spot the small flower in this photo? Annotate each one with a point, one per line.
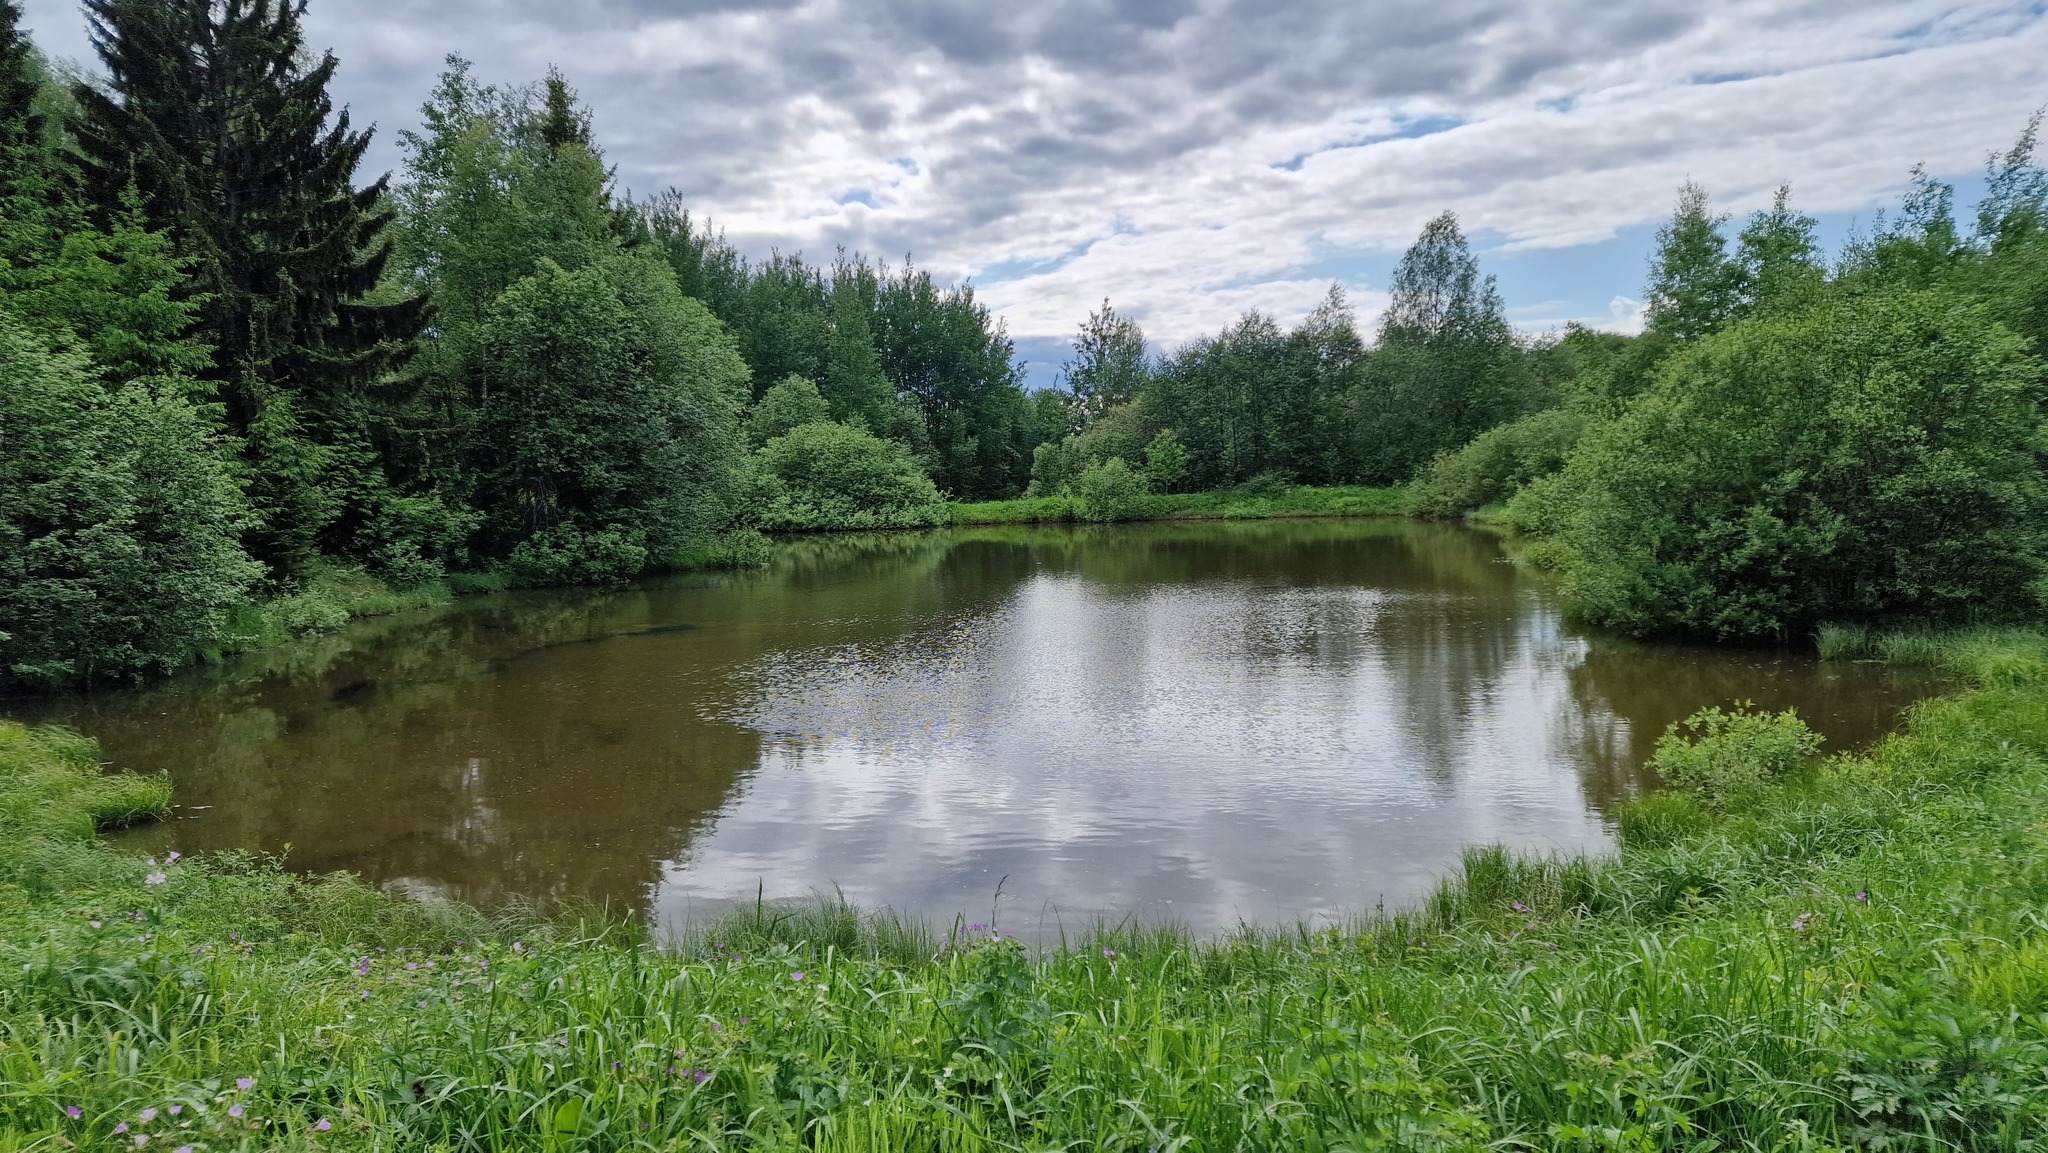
(171, 858)
(797, 976)
(94, 924)
(1800, 922)
(717, 1028)
(177, 1109)
(182, 1149)
(323, 1125)
(141, 1139)
(746, 1020)
(147, 1115)
(412, 964)
(245, 1083)
(121, 1128)
(423, 1002)
(235, 1110)
(702, 1076)
(518, 948)
(364, 996)
(73, 1112)
(1108, 952)
(154, 879)
(1518, 906)
(1863, 895)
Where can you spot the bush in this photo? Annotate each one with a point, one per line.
(1872, 458)
(1497, 463)
(1723, 756)
(1111, 491)
(791, 402)
(565, 555)
(831, 476)
(118, 523)
(1166, 461)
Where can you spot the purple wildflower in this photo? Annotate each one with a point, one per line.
(177, 1109)
(1863, 895)
(155, 879)
(746, 1020)
(797, 976)
(171, 858)
(323, 1124)
(1518, 906)
(121, 1128)
(147, 1115)
(73, 1112)
(94, 924)
(141, 1139)
(717, 1028)
(412, 964)
(702, 1076)
(245, 1083)
(235, 1110)
(1108, 952)
(364, 996)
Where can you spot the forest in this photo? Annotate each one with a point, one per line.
(239, 370)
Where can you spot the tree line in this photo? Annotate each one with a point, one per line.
(228, 365)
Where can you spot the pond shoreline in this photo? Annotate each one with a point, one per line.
(1733, 975)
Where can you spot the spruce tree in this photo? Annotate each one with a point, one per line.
(214, 116)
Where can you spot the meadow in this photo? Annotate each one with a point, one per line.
(1791, 954)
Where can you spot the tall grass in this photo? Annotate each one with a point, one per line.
(1853, 957)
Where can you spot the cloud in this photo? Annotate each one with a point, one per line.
(1189, 158)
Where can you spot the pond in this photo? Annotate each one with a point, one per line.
(1266, 722)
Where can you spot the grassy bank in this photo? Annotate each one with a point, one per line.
(1226, 504)
(1854, 958)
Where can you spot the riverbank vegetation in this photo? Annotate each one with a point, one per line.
(234, 365)
(1787, 954)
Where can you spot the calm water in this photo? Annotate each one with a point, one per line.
(1210, 723)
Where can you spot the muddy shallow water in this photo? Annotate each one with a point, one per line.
(1208, 723)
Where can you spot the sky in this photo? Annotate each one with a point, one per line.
(1190, 159)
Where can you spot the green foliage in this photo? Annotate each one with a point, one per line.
(1497, 463)
(1111, 491)
(1241, 503)
(1252, 399)
(832, 476)
(1166, 462)
(221, 120)
(1109, 366)
(118, 522)
(606, 407)
(1875, 457)
(1726, 756)
(953, 361)
(791, 402)
(1447, 366)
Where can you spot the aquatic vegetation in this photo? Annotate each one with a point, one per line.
(1851, 957)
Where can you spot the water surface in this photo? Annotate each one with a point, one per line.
(1266, 722)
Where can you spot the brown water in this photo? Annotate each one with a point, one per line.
(1210, 723)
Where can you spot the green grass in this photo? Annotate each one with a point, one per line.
(1853, 958)
(1225, 504)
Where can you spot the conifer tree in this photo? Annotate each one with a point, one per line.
(213, 114)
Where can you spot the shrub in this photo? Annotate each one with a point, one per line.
(1166, 461)
(791, 402)
(831, 476)
(1111, 491)
(566, 554)
(1722, 756)
(1497, 463)
(118, 523)
(1871, 458)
